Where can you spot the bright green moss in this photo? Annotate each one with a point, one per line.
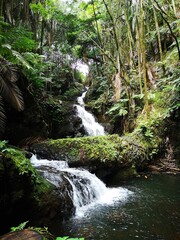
(102, 148)
(23, 166)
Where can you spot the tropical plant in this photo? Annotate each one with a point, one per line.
(9, 91)
(21, 226)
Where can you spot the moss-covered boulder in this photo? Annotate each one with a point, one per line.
(103, 155)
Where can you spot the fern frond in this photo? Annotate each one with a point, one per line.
(20, 59)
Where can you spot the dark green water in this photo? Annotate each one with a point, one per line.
(152, 212)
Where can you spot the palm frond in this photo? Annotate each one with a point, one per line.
(2, 116)
(8, 88)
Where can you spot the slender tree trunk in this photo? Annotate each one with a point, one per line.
(158, 32)
(42, 36)
(115, 36)
(162, 12)
(117, 79)
(26, 12)
(8, 11)
(143, 51)
(130, 39)
(1, 7)
(139, 59)
(97, 27)
(12, 12)
(174, 7)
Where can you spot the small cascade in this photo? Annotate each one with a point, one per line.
(86, 189)
(92, 127)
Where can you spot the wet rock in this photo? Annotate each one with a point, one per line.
(62, 119)
(27, 196)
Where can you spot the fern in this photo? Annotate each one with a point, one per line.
(19, 58)
(118, 109)
(20, 227)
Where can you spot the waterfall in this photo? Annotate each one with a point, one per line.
(92, 127)
(86, 189)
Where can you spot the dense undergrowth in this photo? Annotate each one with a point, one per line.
(132, 53)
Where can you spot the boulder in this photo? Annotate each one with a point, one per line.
(25, 195)
(22, 235)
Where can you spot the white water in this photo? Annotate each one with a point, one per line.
(87, 190)
(92, 127)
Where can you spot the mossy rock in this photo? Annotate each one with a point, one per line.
(26, 195)
(81, 151)
(123, 174)
(102, 155)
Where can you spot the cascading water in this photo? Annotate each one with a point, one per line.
(92, 127)
(86, 189)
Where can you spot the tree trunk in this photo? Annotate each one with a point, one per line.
(158, 32)
(139, 59)
(42, 36)
(143, 52)
(1, 7)
(162, 12)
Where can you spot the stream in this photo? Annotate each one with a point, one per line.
(151, 212)
(146, 207)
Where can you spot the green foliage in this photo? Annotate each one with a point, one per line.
(79, 76)
(99, 95)
(71, 93)
(21, 163)
(21, 226)
(16, 45)
(4, 148)
(104, 149)
(3, 145)
(118, 109)
(39, 73)
(16, 57)
(169, 84)
(137, 148)
(46, 235)
(43, 231)
(19, 38)
(46, 9)
(100, 85)
(146, 132)
(23, 166)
